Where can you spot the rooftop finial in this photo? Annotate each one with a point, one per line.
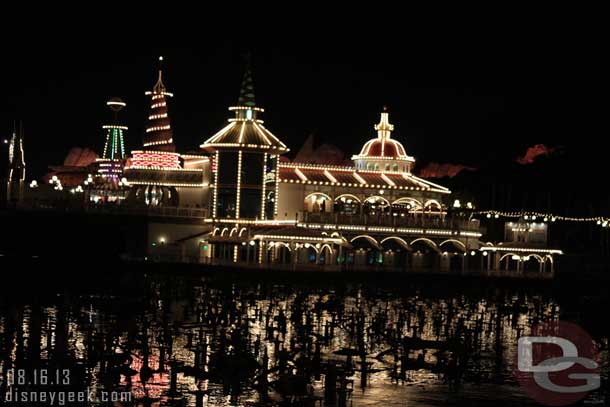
(246, 94)
(159, 86)
(384, 127)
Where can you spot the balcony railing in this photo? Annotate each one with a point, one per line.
(417, 221)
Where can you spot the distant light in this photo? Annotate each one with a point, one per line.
(5, 141)
(496, 216)
(457, 204)
(469, 205)
(472, 253)
(160, 58)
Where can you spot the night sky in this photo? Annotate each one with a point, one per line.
(474, 96)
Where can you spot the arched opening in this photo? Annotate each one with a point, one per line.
(397, 252)
(425, 254)
(283, 254)
(317, 202)
(347, 204)
(406, 207)
(326, 255)
(509, 262)
(367, 252)
(452, 257)
(375, 206)
(310, 253)
(532, 263)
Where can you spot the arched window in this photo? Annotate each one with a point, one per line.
(387, 167)
(376, 167)
(368, 166)
(395, 167)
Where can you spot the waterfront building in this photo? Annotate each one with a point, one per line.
(240, 201)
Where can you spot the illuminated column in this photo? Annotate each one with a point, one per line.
(16, 170)
(263, 198)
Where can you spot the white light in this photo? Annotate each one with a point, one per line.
(497, 216)
(252, 242)
(488, 215)
(456, 203)
(472, 253)
(469, 205)
(484, 253)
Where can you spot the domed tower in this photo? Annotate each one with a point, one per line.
(384, 153)
(244, 162)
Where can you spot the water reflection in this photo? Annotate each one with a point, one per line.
(206, 343)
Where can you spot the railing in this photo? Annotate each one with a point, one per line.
(417, 221)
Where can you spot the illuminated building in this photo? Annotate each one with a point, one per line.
(159, 176)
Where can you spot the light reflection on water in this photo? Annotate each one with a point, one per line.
(131, 342)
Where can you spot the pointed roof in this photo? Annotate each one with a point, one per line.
(245, 131)
(246, 93)
(159, 134)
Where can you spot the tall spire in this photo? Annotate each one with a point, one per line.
(16, 171)
(159, 134)
(159, 86)
(246, 94)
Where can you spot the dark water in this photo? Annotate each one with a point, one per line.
(212, 337)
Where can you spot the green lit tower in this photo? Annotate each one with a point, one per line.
(111, 163)
(245, 157)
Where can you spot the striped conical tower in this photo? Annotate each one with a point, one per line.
(159, 135)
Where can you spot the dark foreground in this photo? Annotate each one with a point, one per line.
(186, 335)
